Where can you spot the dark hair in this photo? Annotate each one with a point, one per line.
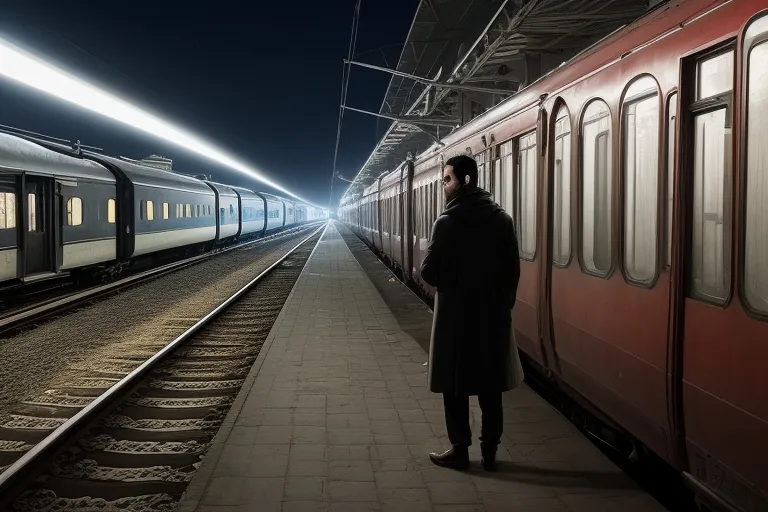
(464, 165)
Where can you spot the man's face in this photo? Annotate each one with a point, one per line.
(450, 184)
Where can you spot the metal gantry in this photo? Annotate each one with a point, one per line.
(462, 57)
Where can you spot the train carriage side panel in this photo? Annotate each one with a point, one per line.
(426, 191)
(301, 213)
(170, 210)
(253, 215)
(88, 222)
(227, 211)
(290, 213)
(275, 212)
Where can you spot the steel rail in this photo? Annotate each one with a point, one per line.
(18, 473)
(38, 311)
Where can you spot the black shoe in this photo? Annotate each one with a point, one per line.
(489, 459)
(454, 459)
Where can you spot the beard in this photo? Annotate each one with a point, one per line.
(453, 194)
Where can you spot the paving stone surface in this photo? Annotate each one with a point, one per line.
(336, 416)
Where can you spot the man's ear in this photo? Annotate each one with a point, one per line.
(466, 179)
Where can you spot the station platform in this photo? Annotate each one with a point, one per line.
(335, 416)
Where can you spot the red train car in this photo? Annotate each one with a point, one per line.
(637, 175)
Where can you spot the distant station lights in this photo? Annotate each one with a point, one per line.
(19, 65)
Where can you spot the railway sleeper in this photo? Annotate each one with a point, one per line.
(141, 435)
(75, 488)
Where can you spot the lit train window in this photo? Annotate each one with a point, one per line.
(561, 204)
(497, 185)
(710, 252)
(7, 210)
(74, 211)
(526, 200)
(756, 235)
(641, 171)
(596, 188)
(507, 179)
(480, 170)
(188, 211)
(32, 214)
(150, 210)
(166, 211)
(111, 211)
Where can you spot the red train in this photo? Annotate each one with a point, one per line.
(637, 175)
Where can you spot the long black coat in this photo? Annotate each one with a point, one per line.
(473, 261)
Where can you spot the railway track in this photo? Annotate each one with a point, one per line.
(43, 304)
(131, 435)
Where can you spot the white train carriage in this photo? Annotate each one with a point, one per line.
(57, 210)
(227, 211)
(290, 212)
(301, 213)
(165, 211)
(253, 213)
(275, 211)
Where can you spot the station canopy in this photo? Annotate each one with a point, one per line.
(496, 45)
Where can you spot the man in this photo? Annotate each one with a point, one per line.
(473, 261)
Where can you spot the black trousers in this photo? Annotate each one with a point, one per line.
(457, 420)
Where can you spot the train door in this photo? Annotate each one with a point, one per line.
(719, 340)
(39, 232)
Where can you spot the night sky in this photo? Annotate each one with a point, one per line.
(263, 82)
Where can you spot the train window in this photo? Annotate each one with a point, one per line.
(74, 211)
(507, 179)
(424, 210)
(111, 211)
(641, 172)
(596, 188)
(497, 186)
(166, 211)
(756, 236)
(671, 137)
(32, 214)
(710, 259)
(396, 205)
(526, 196)
(561, 227)
(188, 211)
(480, 168)
(715, 76)
(150, 210)
(7, 210)
(494, 155)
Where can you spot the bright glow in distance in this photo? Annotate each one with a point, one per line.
(19, 65)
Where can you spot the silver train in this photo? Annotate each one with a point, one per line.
(79, 212)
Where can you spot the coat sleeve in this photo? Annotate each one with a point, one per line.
(430, 267)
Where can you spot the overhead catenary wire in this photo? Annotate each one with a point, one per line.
(346, 69)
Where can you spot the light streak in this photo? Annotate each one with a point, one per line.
(23, 67)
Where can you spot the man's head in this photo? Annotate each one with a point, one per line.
(460, 172)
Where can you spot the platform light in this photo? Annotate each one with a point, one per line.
(19, 65)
